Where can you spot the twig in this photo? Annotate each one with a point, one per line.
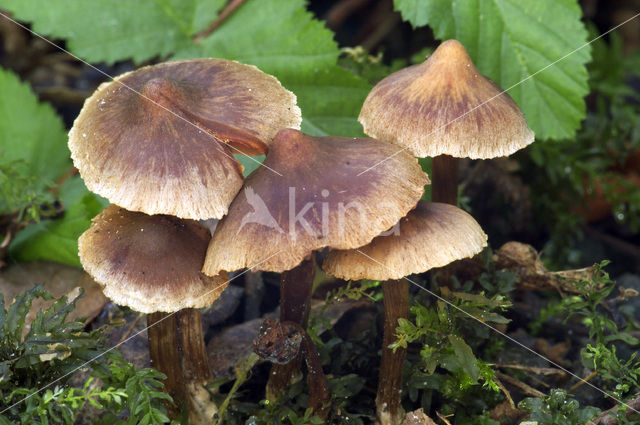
(63, 95)
(342, 10)
(381, 31)
(537, 370)
(524, 387)
(506, 393)
(604, 418)
(130, 328)
(618, 244)
(226, 12)
(11, 229)
(582, 381)
(7, 239)
(443, 418)
(70, 172)
(539, 381)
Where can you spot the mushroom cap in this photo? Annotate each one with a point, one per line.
(432, 235)
(318, 201)
(149, 262)
(160, 139)
(445, 106)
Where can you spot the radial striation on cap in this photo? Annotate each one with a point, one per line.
(160, 139)
(149, 263)
(432, 235)
(319, 201)
(445, 106)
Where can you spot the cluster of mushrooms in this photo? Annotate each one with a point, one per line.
(159, 143)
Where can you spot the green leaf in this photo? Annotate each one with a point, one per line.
(509, 41)
(18, 310)
(283, 39)
(624, 337)
(346, 386)
(279, 36)
(30, 131)
(275, 35)
(494, 317)
(51, 322)
(250, 163)
(114, 30)
(58, 240)
(5, 421)
(466, 359)
(420, 13)
(330, 100)
(145, 419)
(161, 417)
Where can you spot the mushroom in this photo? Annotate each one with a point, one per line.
(160, 139)
(277, 222)
(152, 265)
(444, 108)
(432, 235)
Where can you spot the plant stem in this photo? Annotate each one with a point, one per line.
(389, 398)
(296, 286)
(177, 349)
(444, 179)
(242, 369)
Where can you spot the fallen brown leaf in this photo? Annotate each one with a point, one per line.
(506, 413)
(236, 342)
(524, 261)
(417, 417)
(59, 280)
(555, 352)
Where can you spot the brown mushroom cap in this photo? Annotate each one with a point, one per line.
(319, 183)
(429, 109)
(160, 139)
(432, 235)
(149, 263)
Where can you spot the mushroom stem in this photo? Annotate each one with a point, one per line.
(296, 286)
(177, 349)
(444, 179)
(282, 343)
(389, 398)
(318, 389)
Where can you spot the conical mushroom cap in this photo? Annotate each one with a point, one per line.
(149, 263)
(432, 235)
(318, 201)
(160, 139)
(445, 106)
